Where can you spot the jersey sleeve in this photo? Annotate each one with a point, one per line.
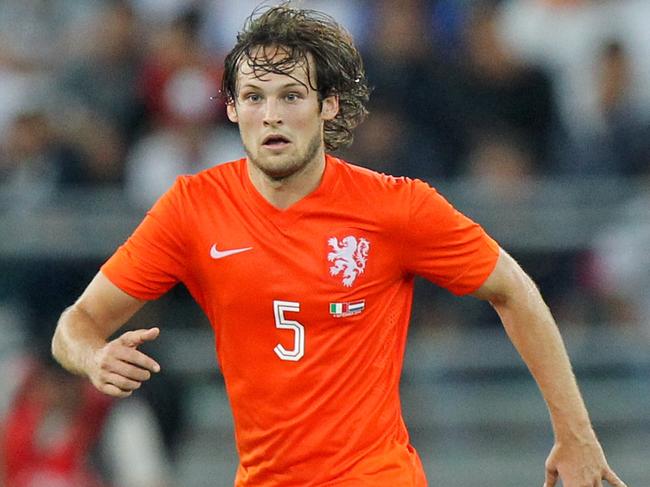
(443, 245)
(153, 259)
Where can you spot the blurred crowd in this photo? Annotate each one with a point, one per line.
(125, 94)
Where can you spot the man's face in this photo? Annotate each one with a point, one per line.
(280, 118)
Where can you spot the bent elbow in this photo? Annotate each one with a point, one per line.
(57, 346)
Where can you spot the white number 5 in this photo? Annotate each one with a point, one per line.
(279, 308)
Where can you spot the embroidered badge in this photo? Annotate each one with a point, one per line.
(349, 257)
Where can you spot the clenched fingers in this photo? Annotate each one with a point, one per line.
(120, 368)
(122, 383)
(129, 371)
(122, 376)
(137, 358)
(111, 390)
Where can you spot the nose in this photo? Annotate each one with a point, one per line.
(272, 113)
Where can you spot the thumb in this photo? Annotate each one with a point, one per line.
(136, 338)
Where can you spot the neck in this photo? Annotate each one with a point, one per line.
(284, 192)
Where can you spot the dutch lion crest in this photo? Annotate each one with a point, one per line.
(349, 257)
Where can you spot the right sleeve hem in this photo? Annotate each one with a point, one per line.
(116, 282)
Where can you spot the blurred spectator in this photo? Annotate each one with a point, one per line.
(618, 142)
(23, 74)
(34, 161)
(500, 167)
(387, 142)
(176, 53)
(188, 132)
(49, 436)
(567, 37)
(36, 34)
(448, 19)
(621, 265)
(103, 80)
(39, 160)
(498, 91)
(102, 147)
(189, 143)
(159, 158)
(17, 89)
(224, 19)
(50, 430)
(157, 13)
(409, 83)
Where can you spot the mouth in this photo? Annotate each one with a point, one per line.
(275, 141)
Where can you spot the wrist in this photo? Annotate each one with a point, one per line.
(578, 431)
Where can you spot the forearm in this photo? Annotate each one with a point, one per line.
(76, 338)
(535, 335)
(577, 457)
(86, 326)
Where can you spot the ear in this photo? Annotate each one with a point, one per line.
(330, 107)
(231, 111)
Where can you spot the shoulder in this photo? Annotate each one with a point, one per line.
(195, 191)
(391, 202)
(225, 171)
(380, 185)
(409, 203)
(220, 176)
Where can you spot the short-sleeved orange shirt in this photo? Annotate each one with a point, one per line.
(310, 308)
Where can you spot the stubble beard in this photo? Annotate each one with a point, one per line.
(284, 170)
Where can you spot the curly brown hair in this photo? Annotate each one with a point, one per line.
(297, 34)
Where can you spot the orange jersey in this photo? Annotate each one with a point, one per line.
(310, 308)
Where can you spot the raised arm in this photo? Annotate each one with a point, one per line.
(577, 457)
(80, 343)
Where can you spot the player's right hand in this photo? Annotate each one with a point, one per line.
(119, 368)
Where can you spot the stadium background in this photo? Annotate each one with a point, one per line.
(531, 116)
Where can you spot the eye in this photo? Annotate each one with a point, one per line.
(252, 97)
(292, 97)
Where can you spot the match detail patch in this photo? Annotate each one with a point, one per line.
(341, 310)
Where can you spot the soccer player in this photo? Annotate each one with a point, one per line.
(304, 265)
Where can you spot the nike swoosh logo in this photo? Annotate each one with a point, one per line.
(220, 254)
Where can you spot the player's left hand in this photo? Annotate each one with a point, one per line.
(579, 464)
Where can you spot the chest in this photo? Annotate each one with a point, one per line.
(318, 258)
